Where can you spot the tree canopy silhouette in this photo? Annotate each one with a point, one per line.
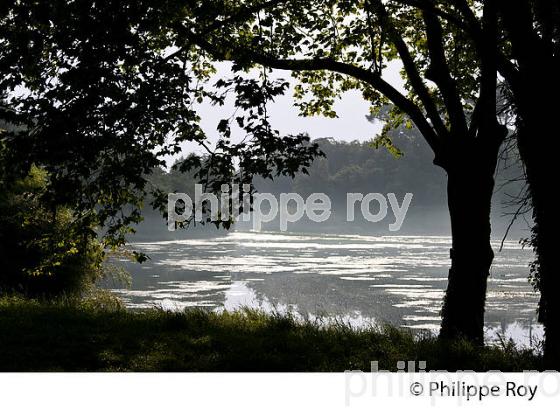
(96, 98)
(116, 83)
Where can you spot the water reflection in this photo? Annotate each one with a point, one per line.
(357, 279)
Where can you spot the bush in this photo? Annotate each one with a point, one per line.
(45, 250)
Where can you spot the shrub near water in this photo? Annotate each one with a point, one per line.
(44, 252)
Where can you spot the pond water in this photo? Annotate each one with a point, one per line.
(357, 279)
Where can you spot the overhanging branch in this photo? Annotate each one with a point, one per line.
(318, 64)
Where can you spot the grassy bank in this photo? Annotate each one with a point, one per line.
(64, 337)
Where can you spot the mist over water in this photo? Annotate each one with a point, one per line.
(358, 279)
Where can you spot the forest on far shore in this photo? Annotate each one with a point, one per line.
(359, 167)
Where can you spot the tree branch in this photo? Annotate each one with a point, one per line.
(411, 71)
(440, 74)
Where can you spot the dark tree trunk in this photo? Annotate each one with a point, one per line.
(469, 198)
(470, 166)
(538, 160)
(470, 162)
(535, 90)
(549, 283)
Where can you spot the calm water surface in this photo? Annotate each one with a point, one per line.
(357, 279)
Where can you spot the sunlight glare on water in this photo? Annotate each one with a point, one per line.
(358, 279)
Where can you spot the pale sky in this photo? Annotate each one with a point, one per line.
(350, 125)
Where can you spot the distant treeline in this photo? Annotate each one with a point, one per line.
(358, 167)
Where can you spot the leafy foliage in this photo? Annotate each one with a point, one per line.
(98, 95)
(44, 252)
